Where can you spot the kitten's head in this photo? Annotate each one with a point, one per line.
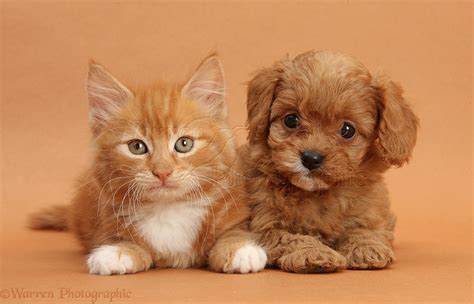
(164, 142)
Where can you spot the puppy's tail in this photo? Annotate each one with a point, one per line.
(52, 218)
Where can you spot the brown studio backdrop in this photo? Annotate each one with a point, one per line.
(425, 46)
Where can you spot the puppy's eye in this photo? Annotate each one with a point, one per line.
(137, 147)
(347, 131)
(184, 145)
(292, 121)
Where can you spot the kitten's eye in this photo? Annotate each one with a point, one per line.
(347, 131)
(137, 147)
(184, 145)
(292, 121)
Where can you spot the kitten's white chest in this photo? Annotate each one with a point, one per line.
(171, 229)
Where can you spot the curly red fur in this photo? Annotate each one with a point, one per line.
(339, 215)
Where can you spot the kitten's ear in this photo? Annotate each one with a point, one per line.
(207, 87)
(106, 95)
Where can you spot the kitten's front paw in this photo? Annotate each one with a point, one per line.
(111, 259)
(249, 258)
(370, 256)
(308, 260)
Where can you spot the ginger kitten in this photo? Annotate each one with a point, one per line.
(163, 189)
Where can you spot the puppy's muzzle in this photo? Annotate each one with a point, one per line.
(312, 159)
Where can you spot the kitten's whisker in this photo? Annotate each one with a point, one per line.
(99, 199)
(113, 202)
(131, 190)
(198, 189)
(220, 186)
(218, 189)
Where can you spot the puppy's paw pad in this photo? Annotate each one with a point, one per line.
(373, 256)
(249, 258)
(309, 260)
(108, 259)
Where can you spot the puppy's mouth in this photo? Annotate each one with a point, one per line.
(309, 181)
(299, 176)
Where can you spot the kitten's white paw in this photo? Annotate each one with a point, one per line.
(107, 260)
(249, 258)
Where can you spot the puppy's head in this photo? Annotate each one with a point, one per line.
(324, 119)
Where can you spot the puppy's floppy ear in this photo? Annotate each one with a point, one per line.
(397, 124)
(260, 95)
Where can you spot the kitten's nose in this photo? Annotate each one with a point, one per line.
(312, 159)
(162, 174)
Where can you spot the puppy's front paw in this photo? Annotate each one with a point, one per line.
(317, 259)
(249, 258)
(111, 259)
(369, 256)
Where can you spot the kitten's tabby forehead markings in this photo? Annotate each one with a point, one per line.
(106, 95)
(207, 87)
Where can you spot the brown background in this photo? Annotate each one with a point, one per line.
(45, 49)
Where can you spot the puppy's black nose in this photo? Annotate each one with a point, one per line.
(311, 159)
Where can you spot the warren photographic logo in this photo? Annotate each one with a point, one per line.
(65, 294)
